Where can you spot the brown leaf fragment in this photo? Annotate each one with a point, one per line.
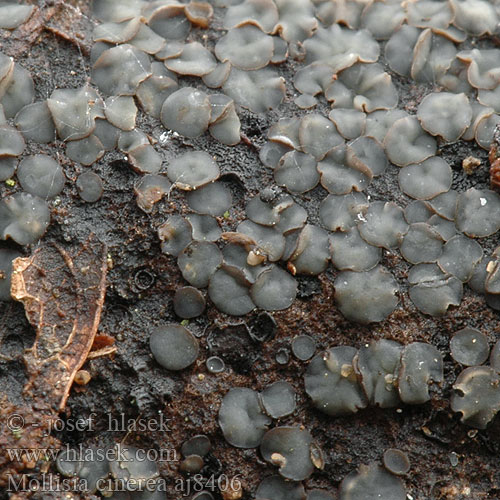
(63, 296)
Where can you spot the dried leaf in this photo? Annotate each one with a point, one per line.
(63, 297)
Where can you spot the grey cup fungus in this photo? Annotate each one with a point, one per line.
(341, 173)
(121, 112)
(241, 419)
(478, 212)
(186, 111)
(289, 448)
(212, 199)
(193, 170)
(215, 364)
(89, 187)
(120, 70)
(378, 365)
(89, 468)
(427, 179)
(41, 175)
(460, 256)
(173, 346)
(13, 15)
(23, 218)
(203, 495)
(407, 142)
(477, 396)
(189, 302)
(317, 494)
(303, 347)
(204, 227)
(85, 151)
(469, 347)
(331, 382)
(495, 357)
(278, 399)
(11, 141)
(311, 253)
(420, 363)
(150, 189)
(74, 112)
(245, 47)
(342, 212)
(198, 262)
(297, 172)
(8, 166)
(175, 234)
(422, 243)
(372, 481)
(229, 290)
(445, 204)
(396, 461)
(383, 225)
(129, 464)
(35, 122)
(432, 290)
(349, 252)
(445, 114)
(274, 289)
(194, 60)
(366, 296)
(277, 488)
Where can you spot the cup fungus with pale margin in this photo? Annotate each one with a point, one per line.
(150, 189)
(460, 256)
(8, 165)
(261, 13)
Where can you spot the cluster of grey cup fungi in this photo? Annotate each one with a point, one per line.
(347, 129)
